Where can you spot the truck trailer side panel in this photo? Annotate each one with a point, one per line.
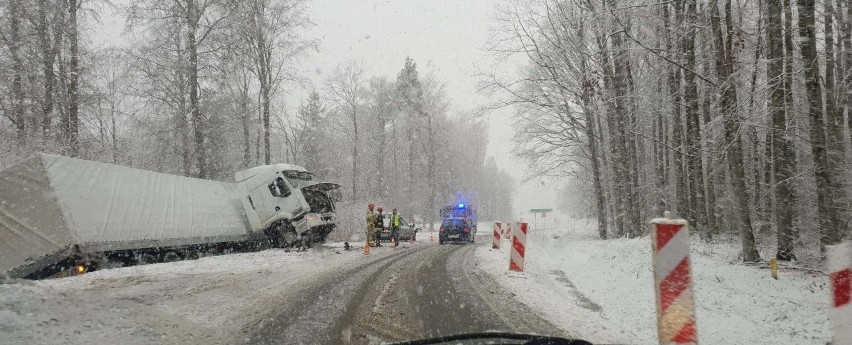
(49, 202)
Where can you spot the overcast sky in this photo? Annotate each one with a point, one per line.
(444, 37)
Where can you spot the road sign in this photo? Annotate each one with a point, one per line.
(543, 211)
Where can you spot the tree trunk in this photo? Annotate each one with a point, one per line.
(354, 153)
(782, 152)
(693, 128)
(728, 100)
(411, 120)
(380, 158)
(15, 40)
(835, 138)
(621, 94)
(847, 63)
(430, 174)
(633, 145)
(825, 203)
(588, 85)
(182, 136)
(264, 76)
(616, 142)
(246, 122)
(789, 104)
(73, 80)
(678, 99)
(711, 173)
(114, 131)
(192, 78)
(596, 169)
(267, 152)
(48, 48)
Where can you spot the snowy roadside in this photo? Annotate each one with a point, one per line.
(210, 300)
(602, 291)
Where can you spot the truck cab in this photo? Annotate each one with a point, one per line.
(320, 196)
(283, 200)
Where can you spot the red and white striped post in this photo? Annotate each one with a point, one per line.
(673, 281)
(508, 234)
(840, 270)
(498, 232)
(519, 244)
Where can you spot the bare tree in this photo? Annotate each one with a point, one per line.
(273, 40)
(47, 22)
(71, 131)
(724, 69)
(14, 41)
(782, 149)
(383, 106)
(346, 87)
(827, 161)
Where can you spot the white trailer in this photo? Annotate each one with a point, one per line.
(59, 213)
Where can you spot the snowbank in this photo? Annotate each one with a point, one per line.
(602, 291)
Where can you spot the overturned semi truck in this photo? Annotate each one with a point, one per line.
(60, 215)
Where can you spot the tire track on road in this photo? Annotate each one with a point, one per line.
(419, 292)
(321, 311)
(514, 314)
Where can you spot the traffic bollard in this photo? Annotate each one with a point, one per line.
(519, 243)
(495, 243)
(673, 281)
(840, 270)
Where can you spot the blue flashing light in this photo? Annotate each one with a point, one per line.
(461, 205)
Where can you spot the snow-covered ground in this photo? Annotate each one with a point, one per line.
(210, 300)
(602, 291)
(596, 290)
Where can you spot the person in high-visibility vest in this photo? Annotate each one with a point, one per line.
(395, 222)
(371, 223)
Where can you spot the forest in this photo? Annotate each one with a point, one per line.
(205, 88)
(733, 114)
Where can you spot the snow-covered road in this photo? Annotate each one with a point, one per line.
(574, 285)
(322, 296)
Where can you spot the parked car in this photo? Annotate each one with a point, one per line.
(456, 230)
(407, 232)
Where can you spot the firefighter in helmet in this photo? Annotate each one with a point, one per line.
(371, 223)
(380, 225)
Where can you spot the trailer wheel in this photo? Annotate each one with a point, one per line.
(145, 258)
(171, 257)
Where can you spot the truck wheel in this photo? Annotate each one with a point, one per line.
(289, 238)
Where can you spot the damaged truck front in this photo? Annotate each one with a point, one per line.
(60, 215)
(270, 185)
